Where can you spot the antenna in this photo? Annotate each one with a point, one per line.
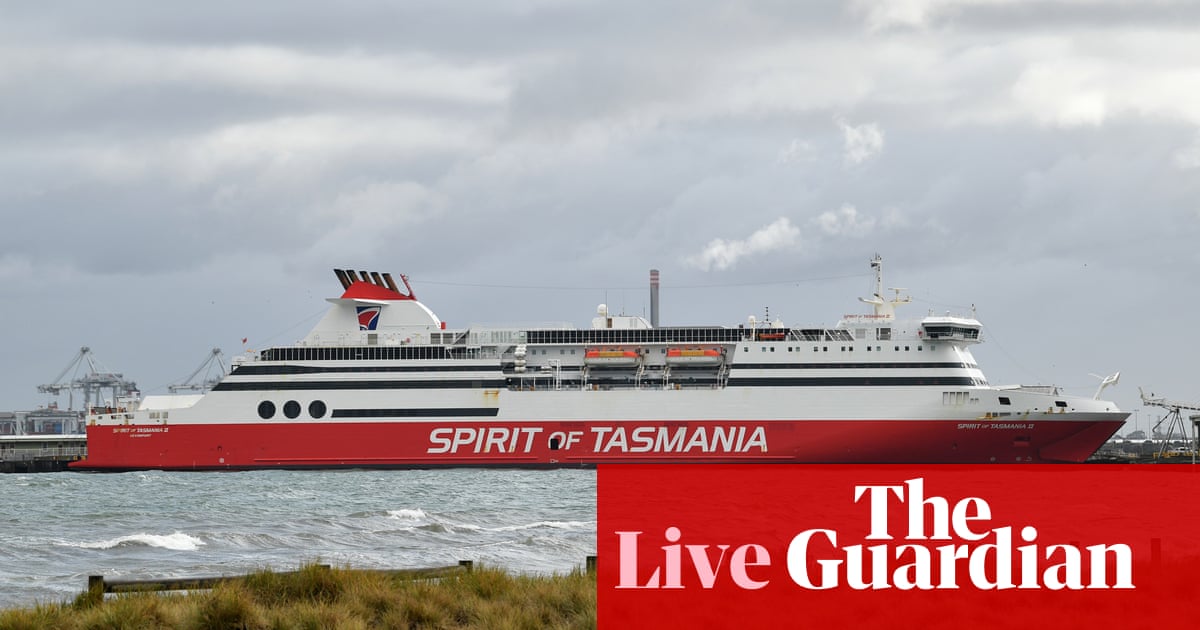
(884, 307)
(1106, 381)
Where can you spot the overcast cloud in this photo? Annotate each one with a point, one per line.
(178, 177)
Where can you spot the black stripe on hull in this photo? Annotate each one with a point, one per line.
(474, 412)
(828, 381)
(244, 386)
(313, 369)
(853, 366)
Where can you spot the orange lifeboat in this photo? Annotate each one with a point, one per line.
(611, 357)
(694, 356)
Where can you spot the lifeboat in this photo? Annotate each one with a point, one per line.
(611, 357)
(694, 356)
(771, 336)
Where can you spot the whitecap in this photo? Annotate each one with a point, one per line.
(408, 515)
(178, 541)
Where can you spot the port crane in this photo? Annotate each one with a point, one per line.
(92, 384)
(216, 359)
(1173, 418)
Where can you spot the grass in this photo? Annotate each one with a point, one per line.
(319, 597)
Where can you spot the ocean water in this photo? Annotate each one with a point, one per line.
(56, 529)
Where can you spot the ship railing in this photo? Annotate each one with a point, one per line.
(111, 417)
(42, 453)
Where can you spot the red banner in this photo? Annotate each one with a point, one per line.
(766, 546)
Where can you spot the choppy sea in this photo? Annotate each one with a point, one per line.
(56, 529)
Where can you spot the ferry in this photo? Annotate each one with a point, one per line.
(380, 381)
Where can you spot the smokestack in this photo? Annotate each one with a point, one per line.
(654, 298)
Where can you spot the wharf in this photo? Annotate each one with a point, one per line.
(40, 453)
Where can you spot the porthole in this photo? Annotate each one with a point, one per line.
(291, 409)
(266, 410)
(316, 409)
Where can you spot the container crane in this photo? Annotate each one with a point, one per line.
(92, 384)
(216, 359)
(1173, 418)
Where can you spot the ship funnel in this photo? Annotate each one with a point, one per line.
(654, 298)
(345, 279)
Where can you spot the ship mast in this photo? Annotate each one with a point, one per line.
(884, 308)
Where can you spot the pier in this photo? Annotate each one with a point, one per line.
(40, 453)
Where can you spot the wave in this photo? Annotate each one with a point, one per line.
(178, 541)
(550, 524)
(408, 515)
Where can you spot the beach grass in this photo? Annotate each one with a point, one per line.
(320, 597)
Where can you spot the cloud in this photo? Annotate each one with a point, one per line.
(882, 14)
(796, 151)
(845, 221)
(1188, 157)
(371, 219)
(862, 142)
(722, 254)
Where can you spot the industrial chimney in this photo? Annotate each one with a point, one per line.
(654, 298)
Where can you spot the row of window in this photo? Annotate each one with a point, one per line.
(355, 353)
(291, 409)
(566, 351)
(637, 335)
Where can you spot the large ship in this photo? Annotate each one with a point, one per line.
(381, 382)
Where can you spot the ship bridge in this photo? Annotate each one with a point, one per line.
(947, 328)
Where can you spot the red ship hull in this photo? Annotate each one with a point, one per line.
(563, 444)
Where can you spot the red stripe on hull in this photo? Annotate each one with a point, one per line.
(540, 444)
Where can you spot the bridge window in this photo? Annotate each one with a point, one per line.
(951, 332)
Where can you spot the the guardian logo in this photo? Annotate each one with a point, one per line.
(974, 554)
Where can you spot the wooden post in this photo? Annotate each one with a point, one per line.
(591, 564)
(96, 582)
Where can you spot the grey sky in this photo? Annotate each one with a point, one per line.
(178, 177)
